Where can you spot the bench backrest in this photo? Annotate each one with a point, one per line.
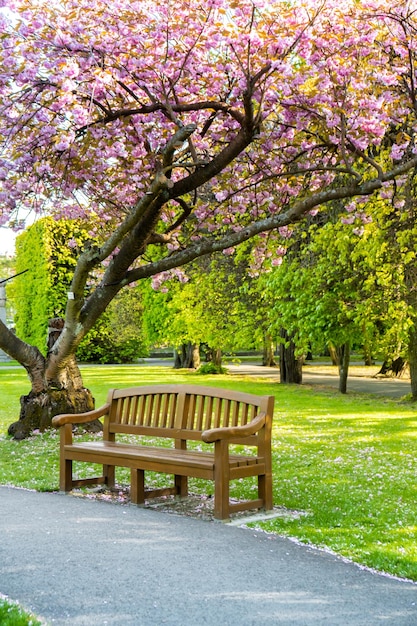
(182, 411)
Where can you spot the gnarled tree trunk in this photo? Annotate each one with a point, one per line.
(50, 396)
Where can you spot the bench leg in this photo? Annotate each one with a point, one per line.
(137, 486)
(265, 491)
(65, 475)
(109, 475)
(181, 486)
(221, 481)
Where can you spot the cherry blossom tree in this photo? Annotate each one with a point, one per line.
(176, 129)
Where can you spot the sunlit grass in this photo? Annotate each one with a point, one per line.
(12, 614)
(347, 463)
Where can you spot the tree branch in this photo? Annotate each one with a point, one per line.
(292, 215)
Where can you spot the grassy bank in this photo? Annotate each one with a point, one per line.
(346, 464)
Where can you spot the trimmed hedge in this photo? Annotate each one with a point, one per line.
(48, 250)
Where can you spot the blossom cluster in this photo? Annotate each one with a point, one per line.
(92, 93)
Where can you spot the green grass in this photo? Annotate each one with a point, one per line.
(347, 463)
(12, 615)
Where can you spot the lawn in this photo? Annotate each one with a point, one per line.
(11, 614)
(345, 464)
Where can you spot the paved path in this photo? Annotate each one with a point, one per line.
(390, 387)
(78, 562)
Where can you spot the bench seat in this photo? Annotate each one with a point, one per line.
(127, 455)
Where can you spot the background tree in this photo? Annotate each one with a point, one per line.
(181, 133)
(210, 313)
(392, 241)
(318, 294)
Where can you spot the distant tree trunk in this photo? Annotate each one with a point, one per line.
(412, 358)
(268, 357)
(367, 356)
(187, 356)
(214, 355)
(343, 354)
(333, 354)
(291, 367)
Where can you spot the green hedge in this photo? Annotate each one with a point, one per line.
(47, 253)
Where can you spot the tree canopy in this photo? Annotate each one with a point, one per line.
(180, 129)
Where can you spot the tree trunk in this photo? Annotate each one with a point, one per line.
(38, 408)
(268, 358)
(187, 356)
(333, 354)
(343, 355)
(217, 357)
(52, 395)
(412, 358)
(291, 367)
(214, 355)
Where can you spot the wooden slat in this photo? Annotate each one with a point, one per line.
(172, 409)
(119, 410)
(235, 413)
(134, 411)
(244, 414)
(226, 413)
(198, 422)
(157, 410)
(217, 413)
(164, 410)
(141, 410)
(127, 408)
(208, 413)
(147, 418)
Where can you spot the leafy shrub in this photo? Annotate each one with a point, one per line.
(211, 368)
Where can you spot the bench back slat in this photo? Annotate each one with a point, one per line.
(181, 411)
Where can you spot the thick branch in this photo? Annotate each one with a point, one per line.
(289, 216)
(146, 109)
(205, 173)
(28, 356)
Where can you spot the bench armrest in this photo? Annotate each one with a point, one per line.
(79, 418)
(234, 432)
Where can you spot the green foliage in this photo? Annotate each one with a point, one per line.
(211, 368)
(215, 306)
(117, 337)
(12, 615)
(334, 288)
(41, 292)
(49, 251)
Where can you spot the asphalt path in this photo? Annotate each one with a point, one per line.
(77, 562)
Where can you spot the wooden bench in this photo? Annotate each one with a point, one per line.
(181, 413)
